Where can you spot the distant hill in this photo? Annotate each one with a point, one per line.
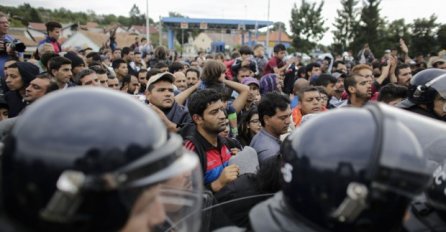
(23, 14)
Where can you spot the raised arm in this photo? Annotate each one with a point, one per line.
(243, 91)
(182, 97)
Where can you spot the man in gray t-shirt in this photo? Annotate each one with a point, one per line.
(274, 114)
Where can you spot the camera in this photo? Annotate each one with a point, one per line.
(17, 45)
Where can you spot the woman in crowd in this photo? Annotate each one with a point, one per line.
(249, 126)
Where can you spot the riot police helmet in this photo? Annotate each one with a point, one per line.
(88, 159)
(353, 170)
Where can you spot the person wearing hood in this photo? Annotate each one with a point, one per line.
(18, 77)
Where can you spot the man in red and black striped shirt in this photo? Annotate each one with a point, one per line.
(207, 112)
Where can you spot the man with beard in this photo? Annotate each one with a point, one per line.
(192, 76)
(180, 81)
(142, 78)
(403, 74)
(336, 100)
(207, 112)
(274, 114)
(367, 72)
(359, 89)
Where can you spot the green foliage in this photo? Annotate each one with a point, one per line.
(24, 14)
(34, 16)
(136, 18)
(391, 34)
(176, 15)
(423, 39)
(441, 36)
(381, 34)
(354, 26)
(108, 19)
(370, 27)
(398, 29)
(291, 50)
(307, 25)
(345, 24)
(279, 26)
(337, 48)
(182, 35)
(125, 21)
(303, 45)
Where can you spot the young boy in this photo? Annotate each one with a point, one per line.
(245, 60)
(276, 63)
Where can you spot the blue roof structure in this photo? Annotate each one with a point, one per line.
(215, 23)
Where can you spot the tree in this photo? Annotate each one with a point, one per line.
(392, 33)
(135, 16)
(345, 24)
(109, 19)
(368, 30)
(176, 15)
(307, 25)
(25, 13)
(441, 36)
(124, 21)
(34, 16)
(134, 11)
(423, 36)
(398, 29)
(277, 26)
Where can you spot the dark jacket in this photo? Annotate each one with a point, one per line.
(238, 197)
(15, 103)
(424, 218)
(179, 115)
(275, 215)
(418, 110)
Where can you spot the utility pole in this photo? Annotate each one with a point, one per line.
(147, 21)
(161, 33)
(267, 29)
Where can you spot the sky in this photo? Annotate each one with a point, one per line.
(280, 10)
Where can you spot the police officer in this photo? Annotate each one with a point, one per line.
(97, 160)
(423, 97)
(428, 212)
(362, 179)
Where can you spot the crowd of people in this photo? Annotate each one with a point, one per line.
(138, 139)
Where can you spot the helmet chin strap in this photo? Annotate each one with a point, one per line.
(354, 203)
